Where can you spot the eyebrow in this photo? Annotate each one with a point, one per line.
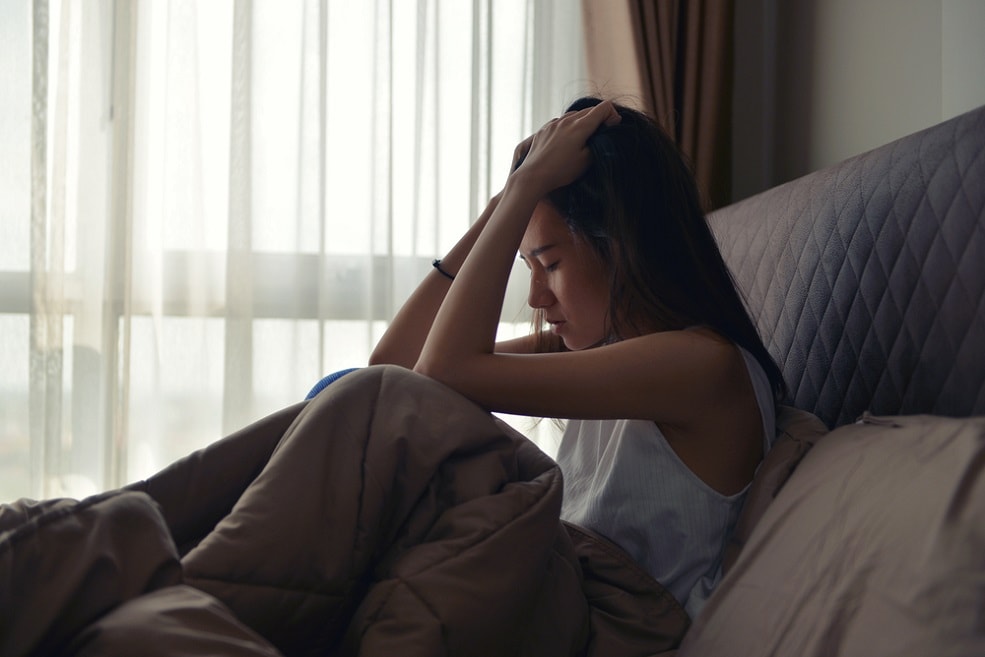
(536, 252)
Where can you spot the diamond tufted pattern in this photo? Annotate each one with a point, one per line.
(867, 279)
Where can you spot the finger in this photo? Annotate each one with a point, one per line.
(603, 113)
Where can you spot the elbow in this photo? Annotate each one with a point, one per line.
(457, 375)
(427, 368)
(434, 368)
(379, 358)
(383, 356)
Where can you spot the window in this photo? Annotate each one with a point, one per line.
(208, 207)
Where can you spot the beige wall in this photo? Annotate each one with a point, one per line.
(818, 81)
(611, 63)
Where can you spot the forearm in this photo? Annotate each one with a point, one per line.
(466, 323)
(402, 342)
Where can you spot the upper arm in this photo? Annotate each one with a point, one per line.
(667, 377)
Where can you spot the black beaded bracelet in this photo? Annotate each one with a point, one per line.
(437, 265)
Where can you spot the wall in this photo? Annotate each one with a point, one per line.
(818, 81)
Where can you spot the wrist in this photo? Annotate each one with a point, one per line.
(525, 185)
(438, 267)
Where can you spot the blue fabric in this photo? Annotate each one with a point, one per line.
(331, 378)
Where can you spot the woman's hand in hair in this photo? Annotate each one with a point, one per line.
(557, 154)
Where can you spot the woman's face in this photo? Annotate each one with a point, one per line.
(567, 280)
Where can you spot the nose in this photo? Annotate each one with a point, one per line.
(540, 295)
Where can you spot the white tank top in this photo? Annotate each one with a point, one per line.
(623, 480)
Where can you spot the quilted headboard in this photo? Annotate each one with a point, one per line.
(867, 279)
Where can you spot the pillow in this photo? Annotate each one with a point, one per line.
(796, 431)
(875, 546)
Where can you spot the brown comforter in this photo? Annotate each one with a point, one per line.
(388, 516)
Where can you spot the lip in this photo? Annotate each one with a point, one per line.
(556, 325)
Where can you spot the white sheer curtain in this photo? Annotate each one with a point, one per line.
(210, 205)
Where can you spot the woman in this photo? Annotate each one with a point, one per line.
(651, 351)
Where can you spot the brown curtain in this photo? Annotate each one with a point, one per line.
(675, 57)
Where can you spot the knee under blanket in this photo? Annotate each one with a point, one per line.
(388, 515)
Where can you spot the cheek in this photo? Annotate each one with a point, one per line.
(596, 286)
(601, 301)
(591, 293)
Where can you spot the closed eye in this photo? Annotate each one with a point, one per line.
(553, 266)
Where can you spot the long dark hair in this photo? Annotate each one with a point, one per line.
(638, 207)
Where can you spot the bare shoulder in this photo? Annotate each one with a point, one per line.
(701, 339)
(696, 368)
(717, 430)
(694, 353)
